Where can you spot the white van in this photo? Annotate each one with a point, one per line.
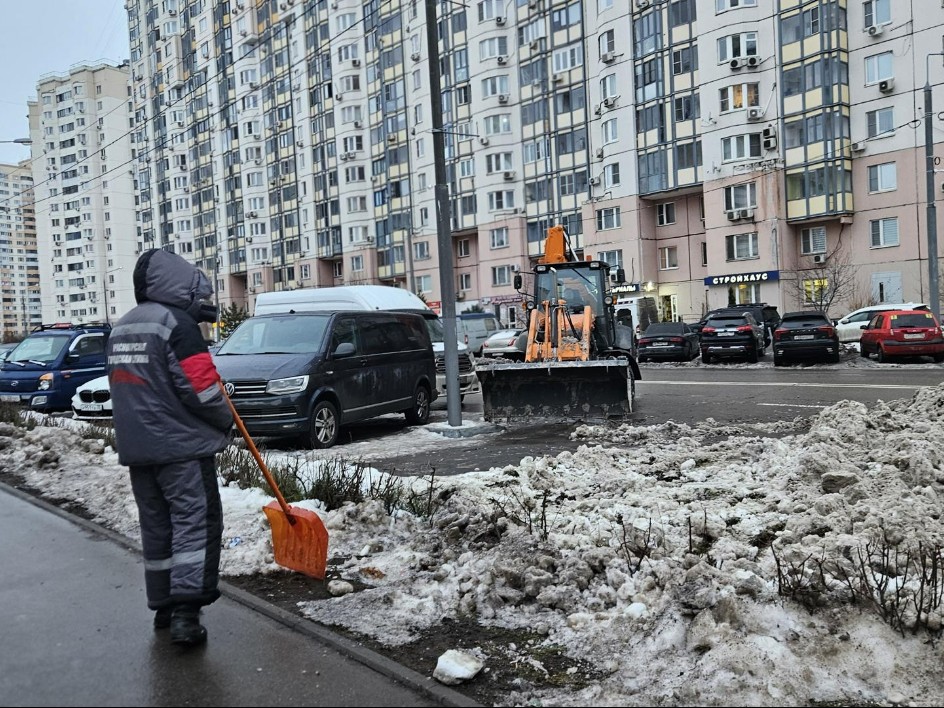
(375, 297)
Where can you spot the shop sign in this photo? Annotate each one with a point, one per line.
(736, 278)
(626, 288)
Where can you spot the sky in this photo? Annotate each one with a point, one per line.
(654, 565)
(50, 36)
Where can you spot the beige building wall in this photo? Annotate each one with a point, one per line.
(19, 265)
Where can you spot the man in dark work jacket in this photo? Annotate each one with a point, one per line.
(170, 420)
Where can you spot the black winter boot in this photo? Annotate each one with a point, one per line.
(185, 627)
(162, 617)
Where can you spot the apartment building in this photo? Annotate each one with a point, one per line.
(84, 192)
(721, 151)
(19, 264)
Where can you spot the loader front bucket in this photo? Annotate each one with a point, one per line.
(561, 390)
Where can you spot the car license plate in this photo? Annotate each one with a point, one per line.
(725, 334)
(91, 407)
(804, 336)
(9, 398)
(914, 335)
(661, 344)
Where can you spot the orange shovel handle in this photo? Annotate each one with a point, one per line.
(255, 453)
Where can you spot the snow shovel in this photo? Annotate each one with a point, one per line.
(299, 538)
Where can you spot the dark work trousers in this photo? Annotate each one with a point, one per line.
(181, 531)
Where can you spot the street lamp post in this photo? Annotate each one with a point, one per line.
(933, 285)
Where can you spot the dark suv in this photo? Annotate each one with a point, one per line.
(47, 367)
(732, 333)
(765, 314)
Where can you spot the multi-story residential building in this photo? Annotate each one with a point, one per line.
(719, 152)
(19, 264)
(84, 192)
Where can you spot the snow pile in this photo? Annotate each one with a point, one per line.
(655, 555)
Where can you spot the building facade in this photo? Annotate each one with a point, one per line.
(720, 151)
(84, 193)
(19, 264)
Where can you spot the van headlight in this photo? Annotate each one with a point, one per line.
(293, 384)
(45, 382)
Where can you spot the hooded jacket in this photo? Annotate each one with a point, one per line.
(166, 403)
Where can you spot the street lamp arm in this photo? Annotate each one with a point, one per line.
(19, 141)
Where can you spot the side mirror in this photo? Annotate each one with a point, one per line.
(344, 349)
(835, 322)
(518, 281)
(863, 326)
(72, 356)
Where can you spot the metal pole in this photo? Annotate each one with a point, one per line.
(934, 295)
(447, 284)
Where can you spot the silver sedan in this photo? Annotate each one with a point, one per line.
(502, 343)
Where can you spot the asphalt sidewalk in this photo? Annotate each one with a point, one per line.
(75, 631)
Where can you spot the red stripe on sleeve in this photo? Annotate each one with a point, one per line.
(200, 371)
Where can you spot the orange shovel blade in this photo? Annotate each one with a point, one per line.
(302, 546)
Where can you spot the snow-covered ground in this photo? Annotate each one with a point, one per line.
(650, 554)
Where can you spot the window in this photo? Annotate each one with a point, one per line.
(881, 121)
(501, 275)
(495, 85)
(489, 10)
(665, 213)
(610, 131)
(608, 218)
(813, 240)
(737, 45)
(686, 107)
(883, 177)
(493, 47)
(498, 162)
(741, 246)
(879, 67)
(465, 281)
(668, 258)
(463, 248)
(688, 155)
(725, 5)
(498, 238)
(740, 196)
(356, 204)
(423, 284)
(504, 199)
(611, 175)
(877, 12)
(681, 12)
(684, 61)
(494, 125)
(421, 250)
(566, 16)
(608, 86)
(740, 147)
(357, 263)
(815, 291)
(614, 259)
(607, 42)
(739, 96)
(567, 58)
(604, 5)
(884, 232)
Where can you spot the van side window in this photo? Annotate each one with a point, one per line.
(344, 332)
(416, 332)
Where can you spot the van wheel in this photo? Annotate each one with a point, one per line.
(418, 413)
(324, 426)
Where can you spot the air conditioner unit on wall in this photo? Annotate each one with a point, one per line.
(875, 30)
(607, 57)
(737, 63)
(819, 258)
(755, 113)
(859, 146)
(886, 86)
(770, 143)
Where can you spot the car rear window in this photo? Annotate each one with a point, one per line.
(805, 321)
(726, 321)
(664, 328)
(912, 320)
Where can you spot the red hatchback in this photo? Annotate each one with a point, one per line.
(902, 333)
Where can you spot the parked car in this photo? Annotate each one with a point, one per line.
(92, 400)
(897, 333)
(504, 344)
(697, 327)
(805, 335)
(732, 334)
(45, 369)
(667, 341)
(765, 314)
(850, 327)
(306, 374)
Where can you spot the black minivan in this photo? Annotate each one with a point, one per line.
(307, 374)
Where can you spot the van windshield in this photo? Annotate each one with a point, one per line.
(435, 327)
(282, 334)
(39, 348)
